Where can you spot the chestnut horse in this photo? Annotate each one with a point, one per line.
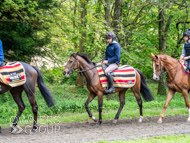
(177, 81)
(78, 61)
(33, 76)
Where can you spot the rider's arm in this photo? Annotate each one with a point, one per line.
(183, 53)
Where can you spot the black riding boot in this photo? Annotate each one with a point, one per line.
(110, 83)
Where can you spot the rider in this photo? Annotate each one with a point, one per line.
(111, 60)
(186, 49)
(1, 54)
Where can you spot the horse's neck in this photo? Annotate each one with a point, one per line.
(83, 65)
(171, 68)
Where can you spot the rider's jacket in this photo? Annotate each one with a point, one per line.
(113, 52)
(1, 51)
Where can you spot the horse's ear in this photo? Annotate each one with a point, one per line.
(152, 55)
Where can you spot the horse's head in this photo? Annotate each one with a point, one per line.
(157, 65)
(71, 66)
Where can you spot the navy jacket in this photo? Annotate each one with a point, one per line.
(1, 52)
(113, 52)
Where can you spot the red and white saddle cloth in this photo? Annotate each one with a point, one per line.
(184, 68)
(124, 76)
(13, 74)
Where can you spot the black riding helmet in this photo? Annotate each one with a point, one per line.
(110, 35)
(187, 33)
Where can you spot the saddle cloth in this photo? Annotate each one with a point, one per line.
(184, 68)
(13, 74)
(123, 76)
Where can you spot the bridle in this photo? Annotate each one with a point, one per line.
(162, 73)
(71, 70)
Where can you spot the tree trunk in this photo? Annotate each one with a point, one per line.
(162, 45)
(107, 13)
(117, 19)
(162, 32)
(81, 79)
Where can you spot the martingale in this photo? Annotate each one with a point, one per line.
(124, 76)
(12, 74)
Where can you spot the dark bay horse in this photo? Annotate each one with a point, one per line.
(78, 61)
(33, 76)
(177, 81)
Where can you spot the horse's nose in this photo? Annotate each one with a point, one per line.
(64, 72)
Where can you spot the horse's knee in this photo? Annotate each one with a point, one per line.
(35, 109)
(122, 103)
(21, 108)
(86, 105)
(100, 109)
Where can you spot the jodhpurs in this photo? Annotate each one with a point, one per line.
(110, 68)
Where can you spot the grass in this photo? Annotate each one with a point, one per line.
(160, 139)
(70, 106)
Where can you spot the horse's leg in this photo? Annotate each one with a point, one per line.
(30, 91)
(169, 97)
(90, 98)
(122, 103)
(186, 97)
(136, 92)
(100, 104)
(17, 96)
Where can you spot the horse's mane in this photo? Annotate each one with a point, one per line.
(166, 57)
(85, 58)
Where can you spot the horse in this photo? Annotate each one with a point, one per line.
(177, 81)
(33, 76)
(78, 61)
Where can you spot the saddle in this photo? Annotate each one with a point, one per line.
(12, 74)
(184, 68)
(123, 76)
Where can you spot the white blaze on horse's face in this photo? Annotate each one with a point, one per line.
(155, 77)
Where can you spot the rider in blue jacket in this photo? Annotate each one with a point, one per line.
(111, 60)
(1, 54)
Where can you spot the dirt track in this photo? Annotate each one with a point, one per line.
(88, 132)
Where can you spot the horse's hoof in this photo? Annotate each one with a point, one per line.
(94, 119)
(188, 120)
(141, 119)
(159, 122)
(33, 131)
(115, 121)
(98, 124)
(13, 129)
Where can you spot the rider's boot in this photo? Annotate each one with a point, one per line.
(110, 83)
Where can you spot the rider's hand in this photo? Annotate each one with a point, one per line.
(186, 58)
(105, 61)
(181, 58)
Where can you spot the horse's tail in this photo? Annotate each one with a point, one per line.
(43, 89)
(145, 91)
